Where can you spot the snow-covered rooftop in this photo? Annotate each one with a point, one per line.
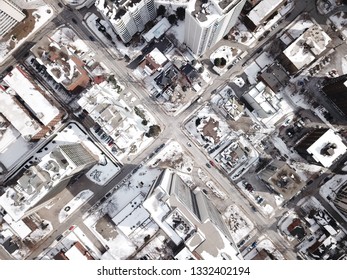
(17, 115)
(37, 181)
(31, 95)
(208, 12)
(263, 10)
(262, 99)
(157, 30)
(158, 56)
(327, 138)
(19, 227)
(309, 45)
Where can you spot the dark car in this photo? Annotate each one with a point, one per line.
(249, 187)
(242, 242)
(91, 38)
(253, 245)
(60, 5)
(74, 21)
(208, 165)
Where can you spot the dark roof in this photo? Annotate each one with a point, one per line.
(78, 154)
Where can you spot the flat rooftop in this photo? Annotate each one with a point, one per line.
(263, 10)
(327, 158)
(309, 45)
(31, 95)
(17, 115)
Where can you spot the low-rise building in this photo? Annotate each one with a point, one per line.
(154, 61)
(282, 179)
(305, 49)
(263, 100)
(77, 252)
(262, 12)
(62, 64)
(27, 107)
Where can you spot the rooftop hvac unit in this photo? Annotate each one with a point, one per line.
(40, 115)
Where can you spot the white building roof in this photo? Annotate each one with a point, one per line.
(262, 10)
(19, 228)
(328, 137)
(74, 254)
(310, 44)
(157, 30)
(39, 105)
(12, 10)
(158, 56)
(264, 97)
(15, 114)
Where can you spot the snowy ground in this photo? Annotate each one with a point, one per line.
(239, 225)
(74, 204)
(228, 53)
(42, 15)
(172, 156)
(177, 31)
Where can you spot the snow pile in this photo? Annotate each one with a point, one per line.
(172, 156)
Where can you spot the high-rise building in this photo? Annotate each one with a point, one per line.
(79, 4)
(127, 17)
(336, 91)
(321, 146)
(340, 200)
(41, 182)
(208, 21)
(10, 15)
(189, 218)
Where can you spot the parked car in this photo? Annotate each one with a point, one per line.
(259, 199)
(249, 187)
(253, 245)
